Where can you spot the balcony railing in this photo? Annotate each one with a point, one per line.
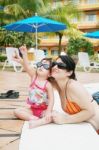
(88, 25)
(86, 7)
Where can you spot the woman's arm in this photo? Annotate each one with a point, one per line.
(81, 98)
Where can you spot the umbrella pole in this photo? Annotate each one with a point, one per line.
(36, 37)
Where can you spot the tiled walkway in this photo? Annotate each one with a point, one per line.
(10, 127)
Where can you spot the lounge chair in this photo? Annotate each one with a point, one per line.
(10, 52)
(84, 62)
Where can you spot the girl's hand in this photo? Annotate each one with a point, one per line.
(17, 58)
(48, 116)
(23, 49)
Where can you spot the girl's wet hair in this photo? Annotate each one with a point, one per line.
(70, 65)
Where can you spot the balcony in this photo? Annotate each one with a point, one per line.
(88, 25)
(88, 7)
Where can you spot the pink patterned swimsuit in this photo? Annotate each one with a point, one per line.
(38, 98)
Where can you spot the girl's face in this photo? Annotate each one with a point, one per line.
(43, 68)
(59, 70)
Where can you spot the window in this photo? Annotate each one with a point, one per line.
(75, 1)
(92, 1)
(54, 52)
(45, 52)
(91, 17)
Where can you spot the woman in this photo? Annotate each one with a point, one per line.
(75, 100)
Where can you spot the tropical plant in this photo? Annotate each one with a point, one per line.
(2, 58)
(15, 10)
(94, 57)
(10, 11)
(64, 13)
(79, 44)
(9, 38)
(19, 9)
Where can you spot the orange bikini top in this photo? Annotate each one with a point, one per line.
(72, 107)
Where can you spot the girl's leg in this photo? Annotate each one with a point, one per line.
(39, 122)
(24, 114)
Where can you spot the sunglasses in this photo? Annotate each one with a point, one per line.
(46, 66)
(59, 65)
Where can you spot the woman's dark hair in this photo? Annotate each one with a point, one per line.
(70, 65)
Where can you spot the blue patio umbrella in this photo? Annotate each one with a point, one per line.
(36, 24)
(94, 34)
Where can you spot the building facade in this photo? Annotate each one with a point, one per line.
(89, 21)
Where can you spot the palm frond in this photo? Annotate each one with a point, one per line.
(14, 9)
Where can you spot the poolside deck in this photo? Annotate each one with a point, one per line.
(10, 127)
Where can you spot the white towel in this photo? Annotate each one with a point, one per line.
(60, 137)
(92, 87)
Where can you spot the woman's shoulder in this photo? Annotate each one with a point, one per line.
(75, 85)
(78, 90)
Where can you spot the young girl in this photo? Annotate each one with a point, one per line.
(40, 97)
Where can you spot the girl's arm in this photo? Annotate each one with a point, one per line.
(25, 62)
(50, 97)
(81, 98)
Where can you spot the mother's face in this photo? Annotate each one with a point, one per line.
(59, 70)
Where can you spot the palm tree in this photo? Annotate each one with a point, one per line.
(14, 12)
(63, 13)
(6, 17)
(10, 12)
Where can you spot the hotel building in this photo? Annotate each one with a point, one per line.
(89, 21)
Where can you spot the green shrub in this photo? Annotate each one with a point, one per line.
(94, 58)
(79, 44)
(2, 58)
(16, 39)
